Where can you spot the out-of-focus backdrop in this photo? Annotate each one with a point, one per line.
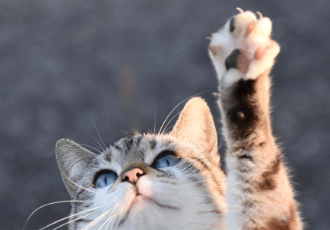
(67, 65)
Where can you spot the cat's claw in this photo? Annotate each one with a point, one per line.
(239, 9)
(246, 40)
(260, 15)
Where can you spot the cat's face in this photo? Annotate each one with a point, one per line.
(147, 181)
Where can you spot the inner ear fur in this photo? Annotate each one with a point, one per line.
(196, 126)
(72, 160)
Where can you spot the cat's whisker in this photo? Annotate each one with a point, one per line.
(183, 171)
(189, 167)
(111, 218)
(72, 221)
(60, 148)
(164, 130)
(105, 222)
(80, 186)
(45, 205)
(221, 143)
(55, 222)
(118, 223)
(171, 197)
(63, 148)
(201, 180)
(108, 221)
(155, 120)
(97, 142)
(168, 129)
(182, 178)
(192, 171)
(160, 130)
(187, 175)
(98, 145)
(185, 185)
(98, 133)
(200, 194)
(97, 220)
(194, 182)
(66, 149)
(51, 153)
(98, 150)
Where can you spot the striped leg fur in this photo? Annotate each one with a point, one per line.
(259, 193)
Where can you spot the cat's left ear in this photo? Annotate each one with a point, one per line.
(196, 126)
(73, 161)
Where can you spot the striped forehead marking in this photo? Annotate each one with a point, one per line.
(134, 148)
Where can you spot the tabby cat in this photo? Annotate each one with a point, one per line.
(174, 180)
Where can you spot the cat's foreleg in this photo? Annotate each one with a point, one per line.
(259, 193)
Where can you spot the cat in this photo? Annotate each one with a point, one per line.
(174, 180)
(149, 181)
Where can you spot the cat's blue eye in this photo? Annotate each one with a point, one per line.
(104, 178)
(166, 159)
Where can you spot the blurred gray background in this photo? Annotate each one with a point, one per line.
(65, 65)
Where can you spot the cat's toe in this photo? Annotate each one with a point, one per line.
(232, 24)
(237, 60)
(263, 59)
(238, 24)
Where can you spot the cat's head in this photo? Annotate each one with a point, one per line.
(149, 181)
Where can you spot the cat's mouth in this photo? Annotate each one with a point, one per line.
(140, 202)
(141, 199)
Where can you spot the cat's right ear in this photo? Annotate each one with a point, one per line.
(72, 160)
(196, 126)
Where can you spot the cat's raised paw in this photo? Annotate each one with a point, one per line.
(245, 44)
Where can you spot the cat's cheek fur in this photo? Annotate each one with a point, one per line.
(158, 191)
(110, 201)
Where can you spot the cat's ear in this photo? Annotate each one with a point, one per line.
(72, 160)
(196, 126)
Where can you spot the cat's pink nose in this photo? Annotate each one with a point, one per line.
(133, 175)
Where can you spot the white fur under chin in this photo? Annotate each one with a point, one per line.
(143, 214)
(146, 214)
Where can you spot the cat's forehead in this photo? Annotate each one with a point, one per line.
(138, 148)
